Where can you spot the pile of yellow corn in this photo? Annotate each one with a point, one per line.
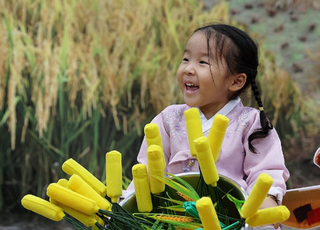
(82, 196)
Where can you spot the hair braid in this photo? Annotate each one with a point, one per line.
(264, 121)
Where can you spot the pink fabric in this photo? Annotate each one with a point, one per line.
(235, 161)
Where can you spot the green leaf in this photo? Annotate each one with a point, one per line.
(7, 113)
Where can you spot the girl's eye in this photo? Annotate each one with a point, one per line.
(185, 59)
(204, 62)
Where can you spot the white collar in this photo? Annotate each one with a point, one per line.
(206, 123)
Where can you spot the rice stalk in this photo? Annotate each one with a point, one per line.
(14, 78)
(4, 52)
(25, 125)
(11, 105)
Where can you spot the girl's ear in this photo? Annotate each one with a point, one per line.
(238, 81)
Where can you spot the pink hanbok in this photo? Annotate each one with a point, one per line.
(235, 160)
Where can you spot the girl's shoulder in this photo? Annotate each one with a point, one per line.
(246, 116)
(173, 114)
(243, 121)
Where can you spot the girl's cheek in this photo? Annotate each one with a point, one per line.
(179, 73)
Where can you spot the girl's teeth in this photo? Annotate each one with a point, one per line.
(191, 87)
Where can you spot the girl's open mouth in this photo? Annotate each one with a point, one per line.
(191, 87)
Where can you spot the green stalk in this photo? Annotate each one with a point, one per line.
(96, 119)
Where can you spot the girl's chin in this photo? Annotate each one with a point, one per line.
(191, 103)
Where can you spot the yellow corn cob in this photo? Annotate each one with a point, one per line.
(206, 161)
(114, 175)
(71, 167)
(63, 182)
(77, 184)
(152, 133)
(269, 216)
(83, 218)
(141, 185)
(153, 137)
(207, 213)
(42, 207)
(217, 133)
(72, 199)
(257, 195)
(156, 168)
(194, 127)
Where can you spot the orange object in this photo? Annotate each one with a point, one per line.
(304, 206)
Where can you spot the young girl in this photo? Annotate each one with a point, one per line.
(219, 63)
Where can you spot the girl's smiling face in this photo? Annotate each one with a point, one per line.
(204, 80)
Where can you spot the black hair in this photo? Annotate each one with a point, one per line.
(241, 54)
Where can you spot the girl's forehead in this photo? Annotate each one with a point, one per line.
(197, 40)
(199, 35)
(200, 42)
(202, 45)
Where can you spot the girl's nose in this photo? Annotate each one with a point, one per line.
(189, 70)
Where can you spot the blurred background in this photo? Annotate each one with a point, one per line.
(81, 78)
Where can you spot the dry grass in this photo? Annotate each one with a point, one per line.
(96, 52)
